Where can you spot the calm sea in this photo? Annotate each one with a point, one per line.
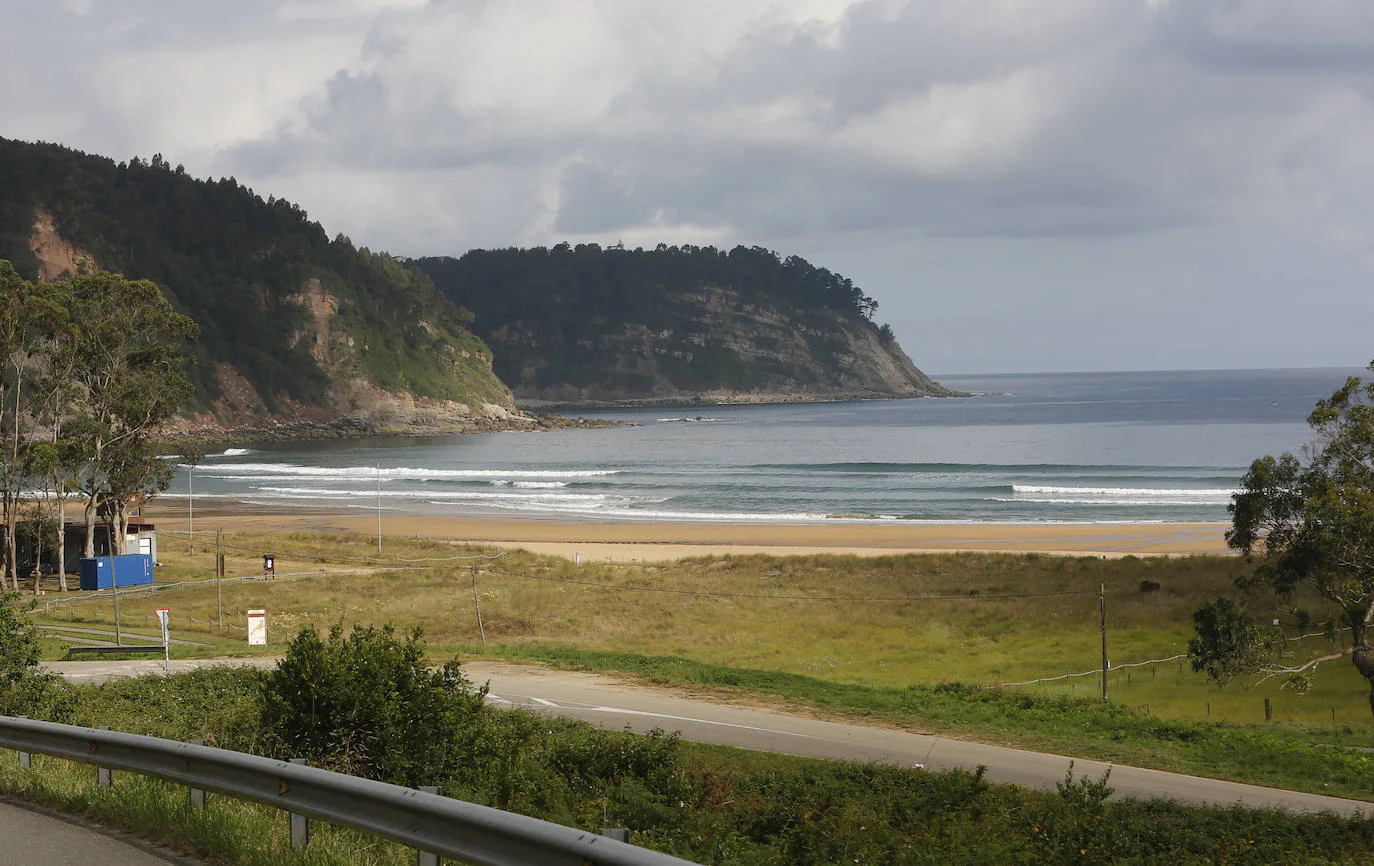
(1087, 447)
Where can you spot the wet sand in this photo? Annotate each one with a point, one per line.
(633, 541)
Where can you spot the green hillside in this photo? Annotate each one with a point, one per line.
(305, 320)
(674, 323)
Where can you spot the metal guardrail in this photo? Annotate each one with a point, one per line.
(429, 822)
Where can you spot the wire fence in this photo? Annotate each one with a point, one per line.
(783, 596)
(374, 565)
(1173, 658)
(336, 557)
(1098, 671)
(148, 589)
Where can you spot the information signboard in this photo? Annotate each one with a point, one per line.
(257, 628)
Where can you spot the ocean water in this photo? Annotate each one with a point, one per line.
(1085, 448)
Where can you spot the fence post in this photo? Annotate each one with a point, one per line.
(427, 858)
(1268, 711)
(26, 759)
(300, 825)
(104, 778)
(197, 794)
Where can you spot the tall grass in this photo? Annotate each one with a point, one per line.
(227, 831)
(969, 637)
(803, 628)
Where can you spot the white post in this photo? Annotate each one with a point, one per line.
(162, 615)
(190, 509)
(379, 508)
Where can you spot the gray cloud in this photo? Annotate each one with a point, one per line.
(890, 135)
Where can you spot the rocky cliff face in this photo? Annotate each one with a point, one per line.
(470, 396)
(674, 324)
(722, 348)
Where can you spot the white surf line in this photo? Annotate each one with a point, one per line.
(589, 708)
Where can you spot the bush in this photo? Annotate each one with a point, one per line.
(368, 705)
(23, 689)
(221, 705)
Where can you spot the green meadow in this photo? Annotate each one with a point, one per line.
(927, 642)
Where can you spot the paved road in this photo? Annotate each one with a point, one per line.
(34, 839)
(617, 704)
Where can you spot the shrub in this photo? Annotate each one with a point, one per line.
(23, 689)
(369, 705)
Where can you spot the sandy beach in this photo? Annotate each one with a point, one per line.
(650, 542)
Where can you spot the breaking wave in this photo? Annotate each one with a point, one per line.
(397, 472)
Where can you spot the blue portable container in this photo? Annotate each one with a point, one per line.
(132, 569)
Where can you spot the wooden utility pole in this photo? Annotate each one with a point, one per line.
(476, 603)
(1102, 603)
(219, 578)
(114, 579)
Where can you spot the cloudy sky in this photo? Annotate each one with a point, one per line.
(1022, 184)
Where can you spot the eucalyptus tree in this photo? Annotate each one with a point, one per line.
(1310, 520)
(55, 465)
(27, 316)
(57, 461)
(128, 374)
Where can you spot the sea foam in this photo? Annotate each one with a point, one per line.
(406, 472)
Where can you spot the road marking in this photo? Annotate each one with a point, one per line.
(590, 708)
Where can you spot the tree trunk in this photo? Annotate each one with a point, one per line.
(9, 578)
(1359, 639)
(89, 550)
(38, 554)
(5, 559)
(16, 476)
(11, 545)
(62, 541)
(119, 523)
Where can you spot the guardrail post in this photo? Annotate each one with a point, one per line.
(197, 794)
(427, 858)
(104, 777)
(300, 825)
(619, 834)
(26, 759)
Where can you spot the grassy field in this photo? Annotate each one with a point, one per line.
(875, 638)
(709, 804)
(980, 619)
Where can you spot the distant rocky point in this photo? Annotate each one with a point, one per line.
(587, 326)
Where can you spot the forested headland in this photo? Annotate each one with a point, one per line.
(586, 323)
(290, 320)
(296, 325)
